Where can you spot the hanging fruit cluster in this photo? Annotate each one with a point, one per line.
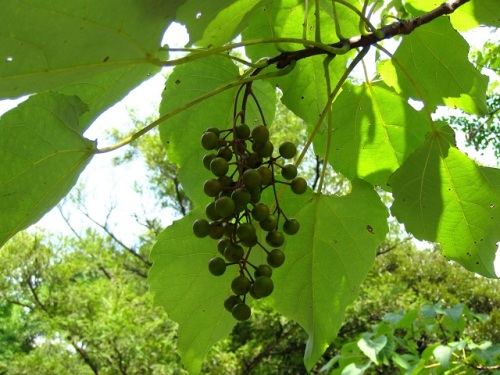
(243, 166)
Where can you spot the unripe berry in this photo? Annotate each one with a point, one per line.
(209, 140)
(263, 270)
(234, 253)
(219, 166)
(251, 178)
(212, 187)
(260, 211)
(289, 171)
(242, 131)
(231, 301)
(241, 312)
(266, 175)
(260, 134)
(246, 232)
(276, 258)
(201, 228)
(217, 266)
(269, 223)
(262, 287)
(299, 185)
(216, 231)
(207, 159)
(224, 206)
(287, 150)
(291, 226)
(240, 285)
(275, 238)
(264, 150)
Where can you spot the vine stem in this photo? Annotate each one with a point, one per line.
(178, 110)
(205, 53)
(326, 64)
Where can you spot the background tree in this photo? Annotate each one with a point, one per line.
(366, 129)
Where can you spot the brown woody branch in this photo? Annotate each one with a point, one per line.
(401, 27)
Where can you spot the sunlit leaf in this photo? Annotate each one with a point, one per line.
(42, 153)
(369, 141)
(438, 75)
(192, 296)
(327, 260)
(469, 15)
(441, 195)
(48, 45)
(213, 23)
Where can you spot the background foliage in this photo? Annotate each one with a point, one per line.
(366, 126)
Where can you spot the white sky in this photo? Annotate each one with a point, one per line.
(107, 186)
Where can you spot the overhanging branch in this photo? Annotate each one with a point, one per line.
(401, 27)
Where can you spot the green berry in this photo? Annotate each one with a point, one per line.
(219, 166)
(253, 160)
(262, 287)
(214, 130)
(287, 150)
(289, 171)
(251, 179)
(291, 226)
(241, 196)
(264, 150)
(225, 152)
(275, 238)
(231, 301)
(229, 230)
(224, 206)
(210, 212)
(234, 253)
(225, 181)
(240, 285)
(260, 134)
(209, 140)
(266, 175)
(241, 312)
(263, 270)
(217, 266)
(212, 187)
(255, 195)
(223, 244)
(207, 159)
(246, 232)
(276, 258)
(242, 131)
(299, 185)
(201, 228)
(216, 230)
(260, 211)
(269, 223)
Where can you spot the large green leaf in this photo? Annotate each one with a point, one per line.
(187, 83)
(327, 260)
(213, 23)
(369, 141)
(48, 45)
(438, 75)
(42, 153)
(192, 296)
(441, 195)
(469, 15)
(103, 90)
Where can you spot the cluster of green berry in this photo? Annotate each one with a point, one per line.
(243, 167)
